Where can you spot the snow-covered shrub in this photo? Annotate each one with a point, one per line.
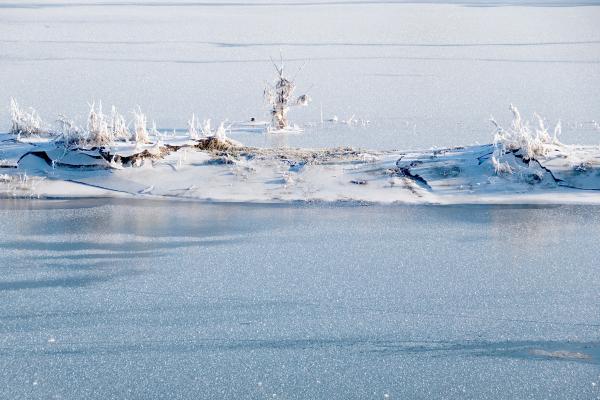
(98, 132)
(118, 126)
(531, 143)
(157, 135)
(206, 129)
(154, 131)
(221, 133)
(522, 140)
(24, 123)
(140, 131)
(193, 128)
(69, 134)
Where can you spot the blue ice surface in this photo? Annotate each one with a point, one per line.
(113, 299)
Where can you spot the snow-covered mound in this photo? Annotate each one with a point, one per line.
(523, 165)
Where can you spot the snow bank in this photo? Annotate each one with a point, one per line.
(522, 165)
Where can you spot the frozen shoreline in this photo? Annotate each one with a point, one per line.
(524, 165)
(192, 171)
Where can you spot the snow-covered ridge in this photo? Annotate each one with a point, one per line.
(524, 164)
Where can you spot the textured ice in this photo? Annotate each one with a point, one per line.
(106, 299)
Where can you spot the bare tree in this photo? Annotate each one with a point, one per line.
(279, 96)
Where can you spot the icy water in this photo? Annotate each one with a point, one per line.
(104, 299)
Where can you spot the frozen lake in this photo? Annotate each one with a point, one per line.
(112, 299)
(108, 299)
(423, 74)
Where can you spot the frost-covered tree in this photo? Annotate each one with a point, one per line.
(280, 98)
